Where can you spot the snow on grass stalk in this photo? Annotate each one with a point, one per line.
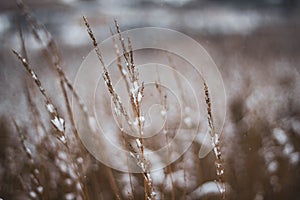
(215, 140)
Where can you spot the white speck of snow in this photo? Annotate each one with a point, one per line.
(139, 97)
(294, 158)
(62, 139)
(59, 123)
(273, 166)
(70, 196)
(28, 151)
(188, 122)
(34, 76)
(63, 167)
(136, 122)
(215, 139)
(50, 107)
(62, 155)
(80, 160)
(78, 186)
(138, 143)
(280, 136)
(124, 72)
(132, 154)
(135, 87)
(24, 60)
(72, 173)
(288, 149)
(36, 171)
(220, 172)
(40, 189)
(163, 112)
(32, 194)
(153, 194)
(142, 119)
(68, 181)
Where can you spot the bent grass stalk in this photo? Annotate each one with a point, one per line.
(135, 94)
(56, 120)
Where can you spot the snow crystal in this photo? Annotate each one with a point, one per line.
(36, 171)
(62, 155)
(70, 196)
(288, 149)
(124, 72)
(50, 107)
(68, 181)
(63, 167)
(138, 143)
(153, 194)
(62, 139)
(78, 186)
(40, 189)
(220, 172)
(142, 118)
(280, 136)
(28, 151)
(135, 85)
(32, 194)
(273, 166)
(188, 121)
(72, 173)
(163, 112)
(59, 123)
(34, 76)
(139, 97)
(80, 160)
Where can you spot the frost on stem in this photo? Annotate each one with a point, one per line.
(57, 121)
(135, 92)
(215, 140)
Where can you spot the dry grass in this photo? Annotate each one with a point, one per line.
(59, 167)
(58, 162)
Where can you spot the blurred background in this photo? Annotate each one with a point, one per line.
(255, 44)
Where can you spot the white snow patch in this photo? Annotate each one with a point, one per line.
(273, 166)
(280, 136)
(59, 123)
(70, 196)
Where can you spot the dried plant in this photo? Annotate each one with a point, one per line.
(68, 158)
(136, 94)
(215, 140)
